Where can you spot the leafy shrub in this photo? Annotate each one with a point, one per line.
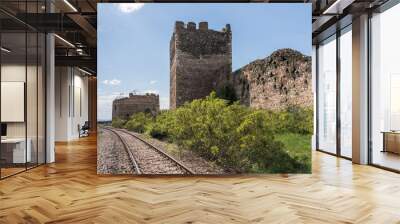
(238, 138)
(118, 122)
(297, 146)
(264, 152)
(208, 127)
(161, 125)
(138, 122)
(295, 119)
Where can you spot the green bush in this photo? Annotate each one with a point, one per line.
(138, 122)
(297, 146)
(118, 122)
(161, 125)
(236, 137)
(295, 119)
(208, 127)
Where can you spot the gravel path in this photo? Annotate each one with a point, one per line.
(112, 157)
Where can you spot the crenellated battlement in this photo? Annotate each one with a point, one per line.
(200, 41)
(203, 26)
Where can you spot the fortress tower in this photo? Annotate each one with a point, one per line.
(127, 106)
(199, 57)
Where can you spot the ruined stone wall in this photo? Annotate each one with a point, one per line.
(275, 82)
(198, 58)
(127, 106)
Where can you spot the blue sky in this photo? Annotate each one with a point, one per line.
(133, 40)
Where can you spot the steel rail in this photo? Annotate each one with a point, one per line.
(131, 156)
(158, 150)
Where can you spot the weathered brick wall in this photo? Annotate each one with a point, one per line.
(125, 107)
(198, 58)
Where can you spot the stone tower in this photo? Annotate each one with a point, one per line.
(198, 59)
(125, 107)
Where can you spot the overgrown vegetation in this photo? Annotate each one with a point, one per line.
(118, 122)
(236, 137)
(297, 146)
(139, 122)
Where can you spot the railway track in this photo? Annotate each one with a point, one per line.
(126, 147)
(147, 158)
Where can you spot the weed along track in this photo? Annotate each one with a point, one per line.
(148, 159)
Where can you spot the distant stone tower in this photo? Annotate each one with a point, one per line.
(125, 107)
(198, 59)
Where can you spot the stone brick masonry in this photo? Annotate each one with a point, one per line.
(198, 57)
(125, 107)
(277, 81)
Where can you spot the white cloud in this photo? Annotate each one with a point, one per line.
(152, 82)
(129, 7)
(114, 82)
